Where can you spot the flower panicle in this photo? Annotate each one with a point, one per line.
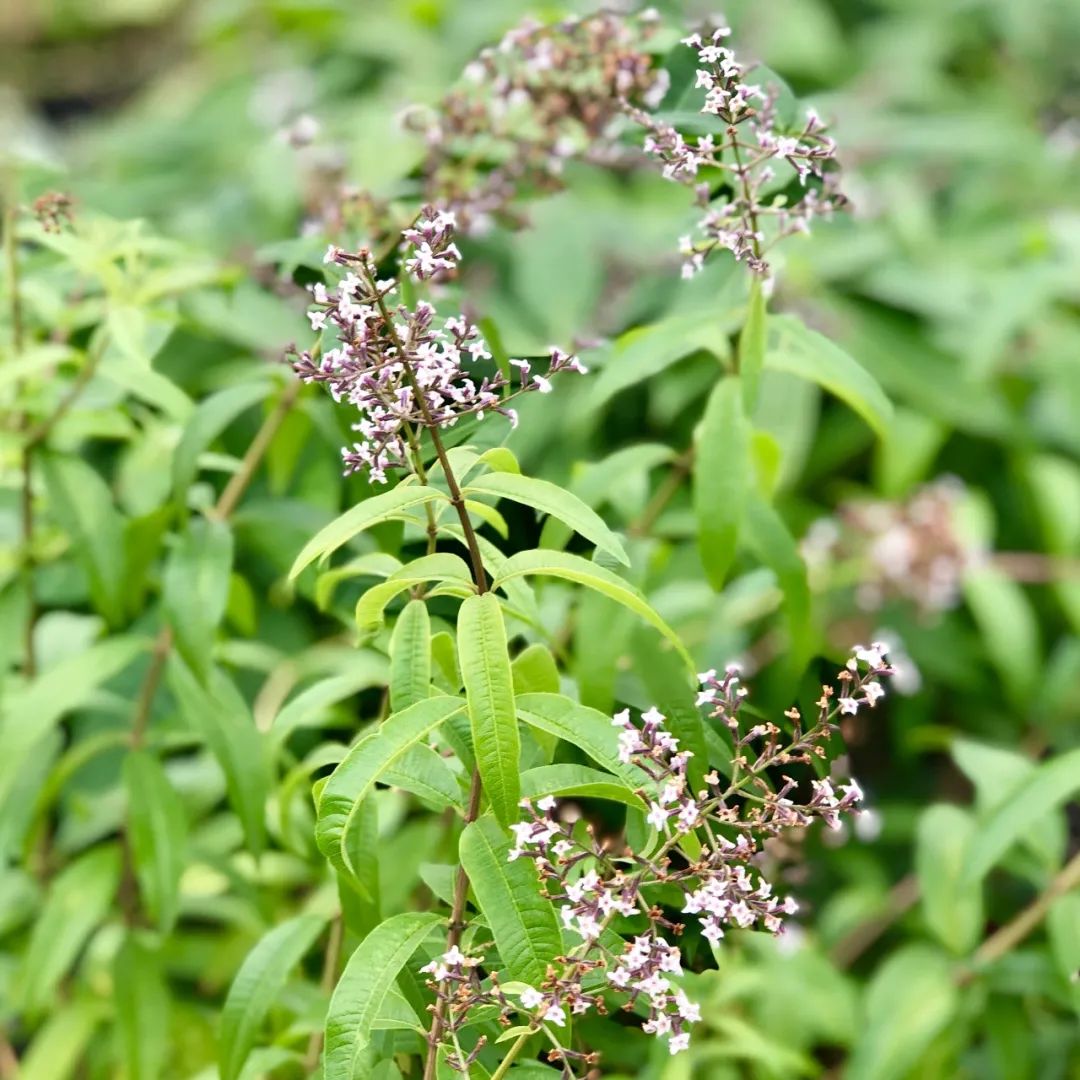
(748, 155)
(598, 885)
(403, 369)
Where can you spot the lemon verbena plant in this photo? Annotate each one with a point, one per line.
(594, 861)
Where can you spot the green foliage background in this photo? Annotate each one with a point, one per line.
(955, 285)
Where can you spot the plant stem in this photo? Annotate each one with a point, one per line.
(331, 962)
(511, 1055)
(1012, 933)
(667, 490)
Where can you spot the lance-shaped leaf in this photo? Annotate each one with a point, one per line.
(366, 762)
(363, 987)
(142, 1008)
(441, 566)
(157, 830)
(752, 341)
(372, 511)
(721, 478)
(587, 729)
(797, 349)
(78, 900)
(196, 589)
(257, 984)
(561, 564)
(208, 420)
(522, 921)
(410, 657)
(548, 498)
(489, 690)
(221, 716)
(1049, 786)
(577, 780)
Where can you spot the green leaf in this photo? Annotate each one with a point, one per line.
(59, 1044)
(489, 691)
(561, 564)
(769, 538)
(365, 763)
(209, 419)
(577, 780)
(1009, 629)
(30, 713)
(535, 671)
(548, 498)
(752, 344)
(585, 728)
(523, 922)
(425, 773)
(952, 907)
(410, 657)
(82, 503)
(157, 830)
(797, 349)
(910, 1000)
(374, 564)
(363, 987)
(196, 589)
(1049, 786)
(259, 981)
(372, 511)
(221, 716)
(721, 478)
(78, 901)
(441, 566)
(142, 1009)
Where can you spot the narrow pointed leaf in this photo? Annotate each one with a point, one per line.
(410, 657)
(489, 691)
(142, 1009)
(157, 831)
(548, 498)
(561, 564)
(364, 986)
(577, 780)
(523, 922)
(372, 511)
(366, 762)
(721, 478)
(752, 344)
(257, 984)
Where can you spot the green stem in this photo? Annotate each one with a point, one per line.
(511, 1055)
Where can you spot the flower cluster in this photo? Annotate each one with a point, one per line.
(541, 96)
(754, 157)
(909, 550)
(396, 365)
(707, 836)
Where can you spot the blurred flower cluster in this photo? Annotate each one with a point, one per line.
(757, 178)
(403, 372)
(910, 550)
(543, 95)
(704, 849)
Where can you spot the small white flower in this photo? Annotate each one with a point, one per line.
(546, 803)
(542, 384)
(678, 1043)
(657, 816)
(555, 1015)
(849, 706)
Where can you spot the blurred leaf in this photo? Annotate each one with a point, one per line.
(752, 342)
(219, 714)
(363, 986)
(83, 504)
(1053, 783)
(797, 349)
(910, 1000)
(535, 671)
(142, 1013)
(489, 691)
(59, 1044)
(157, 828)
(258, 983)
(196, 589)
(78, 901)
(952, 906)
(508, 891)
(721, 478)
